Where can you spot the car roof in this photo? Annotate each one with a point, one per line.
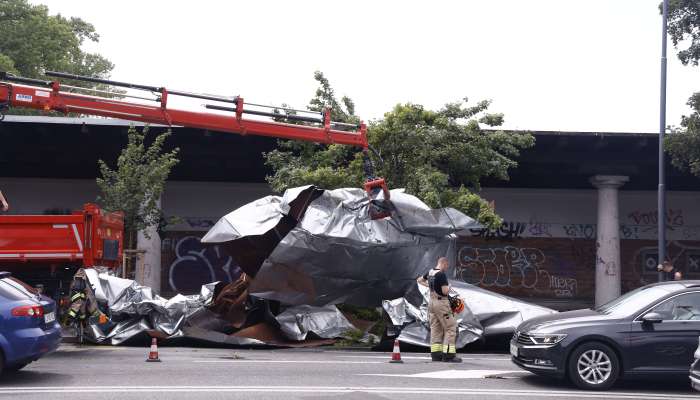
(686, 284)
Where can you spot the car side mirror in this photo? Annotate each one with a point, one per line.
(652, 318)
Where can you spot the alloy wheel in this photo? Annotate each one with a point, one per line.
(594, 367)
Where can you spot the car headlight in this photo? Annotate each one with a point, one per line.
(547, 339)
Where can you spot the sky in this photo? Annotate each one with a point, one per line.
(567, 65)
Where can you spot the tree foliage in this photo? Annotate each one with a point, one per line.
(684, 28)
(135, 186)
(34, 41)
(440, 156)
(684, 144)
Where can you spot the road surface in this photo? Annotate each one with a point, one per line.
(89, 372)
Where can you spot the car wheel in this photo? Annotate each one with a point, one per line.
(593, 366)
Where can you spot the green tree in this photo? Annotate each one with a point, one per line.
(439, 156)
(137, 182)
(684, 144)
(34, 41)
(684, 28)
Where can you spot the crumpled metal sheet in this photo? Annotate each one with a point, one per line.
(137, 309)
(485, 313)
(414, 322)
(326, 249)
(325, 322)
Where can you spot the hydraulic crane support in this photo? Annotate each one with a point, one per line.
(49, 96)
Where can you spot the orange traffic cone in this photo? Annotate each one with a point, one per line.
(153, 354)
(396, 355)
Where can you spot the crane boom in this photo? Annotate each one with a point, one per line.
(44, 95)
(49, 96)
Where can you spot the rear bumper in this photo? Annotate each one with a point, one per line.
(33, 343)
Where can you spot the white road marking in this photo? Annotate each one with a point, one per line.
(428, 358)
(291, 361)
(450, 374)
(349, 389)
(388, 357)
(66, 349)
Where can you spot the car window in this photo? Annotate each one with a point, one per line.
(685, 307)
(637, 299)
(12, 291)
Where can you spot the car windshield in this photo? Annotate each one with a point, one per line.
(633, 301)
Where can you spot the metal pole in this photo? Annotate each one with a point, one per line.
(662, 130)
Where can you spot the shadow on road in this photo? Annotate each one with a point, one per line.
(34, 378)
(667, 386)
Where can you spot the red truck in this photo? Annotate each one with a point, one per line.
(48, 249)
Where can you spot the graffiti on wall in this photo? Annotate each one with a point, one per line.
(188, 264)
(584, 231)
(539, 229)
(674, 218)
(512, 267)
(637, 225)
(507, 230)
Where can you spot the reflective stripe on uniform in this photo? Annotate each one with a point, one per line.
(71, 313)
(436, 348)
(449, 349)
(77, 296)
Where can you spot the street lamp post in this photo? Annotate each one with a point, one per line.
(662, 130)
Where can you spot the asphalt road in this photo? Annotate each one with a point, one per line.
(90, 372)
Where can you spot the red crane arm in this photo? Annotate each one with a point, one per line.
(52, 98)
(48, 96)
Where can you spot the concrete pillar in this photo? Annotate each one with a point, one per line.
(607, 269)
(149, 270)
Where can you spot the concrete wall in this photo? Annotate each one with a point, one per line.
(545, 249)
(199, 204)
(573, 214)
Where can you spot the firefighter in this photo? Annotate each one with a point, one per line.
(443, 325)
(83, 303)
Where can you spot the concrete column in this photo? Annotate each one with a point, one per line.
(607, 269)
(148, 272)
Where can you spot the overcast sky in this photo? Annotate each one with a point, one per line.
(574, 65)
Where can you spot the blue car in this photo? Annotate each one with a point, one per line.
(29, 329)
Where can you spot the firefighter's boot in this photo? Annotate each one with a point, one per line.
(436, 353)
(451, 354)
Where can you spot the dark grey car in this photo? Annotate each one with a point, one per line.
(649, 332)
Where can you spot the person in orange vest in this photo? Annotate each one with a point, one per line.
(4, 206)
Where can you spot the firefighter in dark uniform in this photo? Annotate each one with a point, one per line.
(443, 325)
(83, 303)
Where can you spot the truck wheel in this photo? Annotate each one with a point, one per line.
(593, 366)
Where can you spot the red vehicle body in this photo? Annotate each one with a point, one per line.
(32, 244)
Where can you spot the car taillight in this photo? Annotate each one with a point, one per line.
(28, 311)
